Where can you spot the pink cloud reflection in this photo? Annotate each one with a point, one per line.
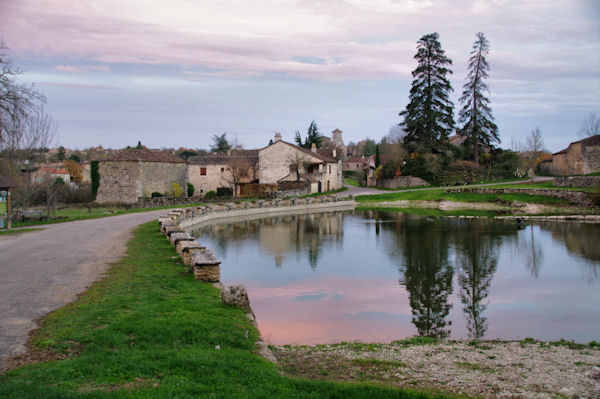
(331, 309)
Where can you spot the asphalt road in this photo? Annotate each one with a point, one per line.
(41, 271)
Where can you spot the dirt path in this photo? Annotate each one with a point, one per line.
(44, 270)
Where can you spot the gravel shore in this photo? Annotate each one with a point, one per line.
(482, 369)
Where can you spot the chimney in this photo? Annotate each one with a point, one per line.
(334, 153)
(313, 148)
(228, 152)
(277, 137)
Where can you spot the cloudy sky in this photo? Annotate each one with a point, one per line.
(176, 73)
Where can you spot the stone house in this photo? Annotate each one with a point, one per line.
(579, 158)
(286, 162)
(128, 175)
(359, 164)
(51, 172)
(211, 171)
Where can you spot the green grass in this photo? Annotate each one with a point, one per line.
(15, 232)
(441, 195)
(545, 184)
(339, 190)
(148, 330)
(348, 181)
(69, 214)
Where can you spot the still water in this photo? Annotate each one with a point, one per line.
(383, 276)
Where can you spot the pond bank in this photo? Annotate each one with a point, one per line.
(489, 369)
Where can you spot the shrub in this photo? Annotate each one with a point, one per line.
(210, 194)
(224, 192)
(95, 177)
(190, 190)
(177, 190)
(156, 194)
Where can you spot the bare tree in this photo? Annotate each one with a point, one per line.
(24, 125)
(296, 164)
(241, 170)
(590, 126)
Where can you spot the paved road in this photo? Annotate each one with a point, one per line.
(41, 271)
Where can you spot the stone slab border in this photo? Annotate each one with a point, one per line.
(203, 262)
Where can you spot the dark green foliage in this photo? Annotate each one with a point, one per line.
(370, 147)
(389, 169)
(428, 117)
(377, 156)
(59, 181)
(139, 146)
(476, 113)
(75, 158)
(156, 194)
(312, 136)
(220, 144)
(224, 192)
(458, 173)
(210, 194)
(61, 153)
(190, 190)
(95, 177)
(417, 167)
(185, 154)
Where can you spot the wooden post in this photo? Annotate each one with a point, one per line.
(8, 209)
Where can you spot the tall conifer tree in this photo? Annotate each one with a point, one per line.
(476, 114)
(428, 117)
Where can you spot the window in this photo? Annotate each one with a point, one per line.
(202, 171)
(329, 171)
(222, 170)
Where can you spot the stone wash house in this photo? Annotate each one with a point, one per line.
(579, 158)
(285, 162)
(129, 174)
(211, 171)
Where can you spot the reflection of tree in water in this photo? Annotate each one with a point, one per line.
(530, 250)
(428, 278)
(477, 256)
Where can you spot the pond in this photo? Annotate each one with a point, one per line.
(384, 276)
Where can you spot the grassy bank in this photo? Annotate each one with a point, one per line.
(148, 330)
(441, 195)
(70, 214)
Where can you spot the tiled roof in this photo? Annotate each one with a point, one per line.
(143, 156)
(221, 159)
(7, 182)
(588, 141)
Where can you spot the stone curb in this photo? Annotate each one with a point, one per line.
(202, 261)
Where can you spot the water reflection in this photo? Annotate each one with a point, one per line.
(376, 275)
(282, 235)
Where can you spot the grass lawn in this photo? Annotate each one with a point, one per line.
(440, 195)
(545, 184)
(69, 214)
(148, 330)
(15, 232)
(349, 181)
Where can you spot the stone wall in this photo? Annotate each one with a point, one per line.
(577, 181)
(402, 182)
(580, 198)
(160, 176)
(293, 189)
(591, 163)
(213, 179)
(119, 182)
(126, 181)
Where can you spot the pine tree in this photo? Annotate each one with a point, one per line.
(476, 114)
(312, 136)
(428, 117)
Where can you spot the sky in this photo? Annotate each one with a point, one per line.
(176, 73)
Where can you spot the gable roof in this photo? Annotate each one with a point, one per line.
(135, 155)
(588, 141)
(221, 159)
(306, 151)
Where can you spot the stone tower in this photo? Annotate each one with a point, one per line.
(338, 143)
